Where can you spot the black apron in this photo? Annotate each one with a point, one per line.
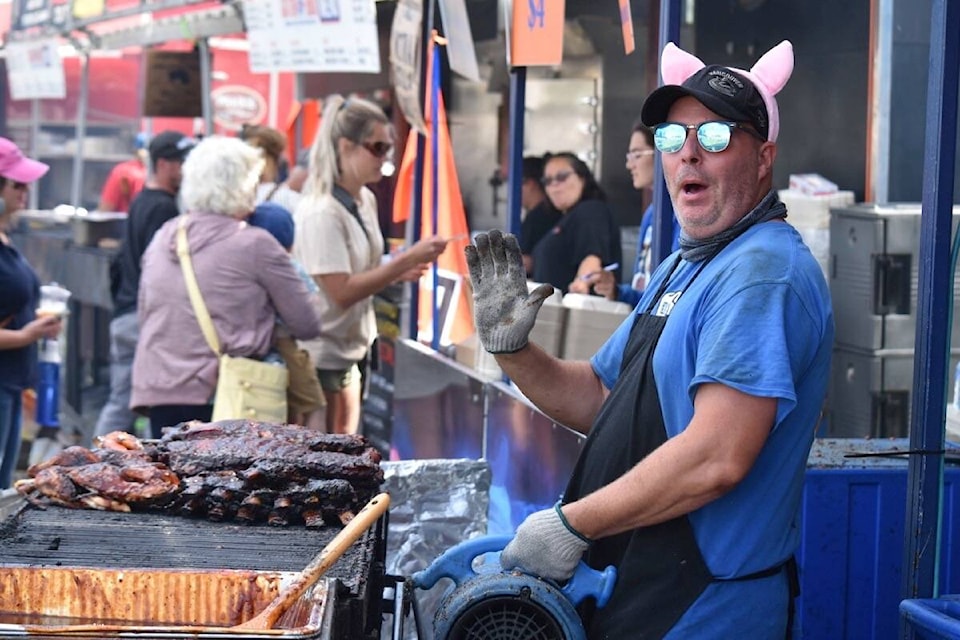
(660, 570)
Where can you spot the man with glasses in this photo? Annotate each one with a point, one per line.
(700, 410)
(152, 207)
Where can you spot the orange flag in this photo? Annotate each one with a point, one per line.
(308, 113)
(451, 303)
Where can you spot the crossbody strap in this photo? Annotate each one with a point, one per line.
(196, 299)
(276, 186)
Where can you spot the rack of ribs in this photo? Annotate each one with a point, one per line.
(107, 479)
(239, 470)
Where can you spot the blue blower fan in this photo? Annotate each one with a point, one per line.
(490, 603)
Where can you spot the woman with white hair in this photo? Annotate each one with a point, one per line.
(244, 275)
(339, 242)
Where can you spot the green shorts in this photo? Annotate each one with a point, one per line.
(338, 379)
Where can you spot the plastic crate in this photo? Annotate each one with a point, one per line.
(933, 618)
(851, 549)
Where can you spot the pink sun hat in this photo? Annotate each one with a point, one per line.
(15, 166)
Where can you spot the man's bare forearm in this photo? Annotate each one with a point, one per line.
(567, 391)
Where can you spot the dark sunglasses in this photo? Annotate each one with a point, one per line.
(19, 186)
(560, 177)
(713, 136)
(378, 149)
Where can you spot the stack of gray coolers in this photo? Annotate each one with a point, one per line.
(873, 281)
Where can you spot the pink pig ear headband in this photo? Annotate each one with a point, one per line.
(741, 96)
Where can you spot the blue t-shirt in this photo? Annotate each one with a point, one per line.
(19, 297)
(643, 265)
(757, 319)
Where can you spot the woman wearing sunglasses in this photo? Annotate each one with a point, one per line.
(20, 328)
(640, 154)
(339, 243)
(586, 239)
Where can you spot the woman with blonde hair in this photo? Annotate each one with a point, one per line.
(245, 277)
(339, 243)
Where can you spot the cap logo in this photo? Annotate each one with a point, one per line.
(768, 76)
(725, 83)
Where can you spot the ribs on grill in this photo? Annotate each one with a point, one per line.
(108, 479)
(229, 470)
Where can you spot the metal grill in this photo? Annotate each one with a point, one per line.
(58, 537)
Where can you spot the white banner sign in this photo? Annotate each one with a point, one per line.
(405, 61)
(35, 70)
(312, 35)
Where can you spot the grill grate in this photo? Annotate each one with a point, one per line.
(101, 539)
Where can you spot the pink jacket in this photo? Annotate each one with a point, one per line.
(246, 279)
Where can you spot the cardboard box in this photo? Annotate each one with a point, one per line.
(813, 211)
(548, 330)
(589, 323)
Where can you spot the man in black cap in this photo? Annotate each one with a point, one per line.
(701, 408)
(152, 207)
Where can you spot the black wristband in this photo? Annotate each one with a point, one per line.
(567, 524)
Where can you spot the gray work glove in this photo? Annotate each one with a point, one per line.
(545, 545)
(503, 312)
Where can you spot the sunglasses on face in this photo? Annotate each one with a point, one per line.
(19, 186)
(378, 149)
(713, 136)
(558, 178)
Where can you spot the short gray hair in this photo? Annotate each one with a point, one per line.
(220, 176)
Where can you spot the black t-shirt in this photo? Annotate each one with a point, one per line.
(535, 225)
(586, 229)
(148, 212)
(19, 298)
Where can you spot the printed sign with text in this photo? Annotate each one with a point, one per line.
(536, 33)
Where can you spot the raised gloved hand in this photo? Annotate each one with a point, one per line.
(503, 312)
(545, 545)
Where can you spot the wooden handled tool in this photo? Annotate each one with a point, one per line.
(319, 565)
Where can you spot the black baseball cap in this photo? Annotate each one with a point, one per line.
(720, 89)
(170, 145)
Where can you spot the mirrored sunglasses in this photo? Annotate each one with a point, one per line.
(558, 178)
(713, 136)
(378, 149)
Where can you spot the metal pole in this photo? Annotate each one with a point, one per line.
(434, 185)
(413, 231)
(518, 100)
(34, 197)
(878, 187)
(76, 198)
(663, 209)
(203, 45)
(930, 372)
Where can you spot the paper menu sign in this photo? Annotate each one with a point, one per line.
(35, 70)
(318, 35)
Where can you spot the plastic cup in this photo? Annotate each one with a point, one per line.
(53, 300)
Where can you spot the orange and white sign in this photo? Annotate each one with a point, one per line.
(536, 33)
(626, 25)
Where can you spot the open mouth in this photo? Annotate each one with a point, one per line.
(691, 187)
